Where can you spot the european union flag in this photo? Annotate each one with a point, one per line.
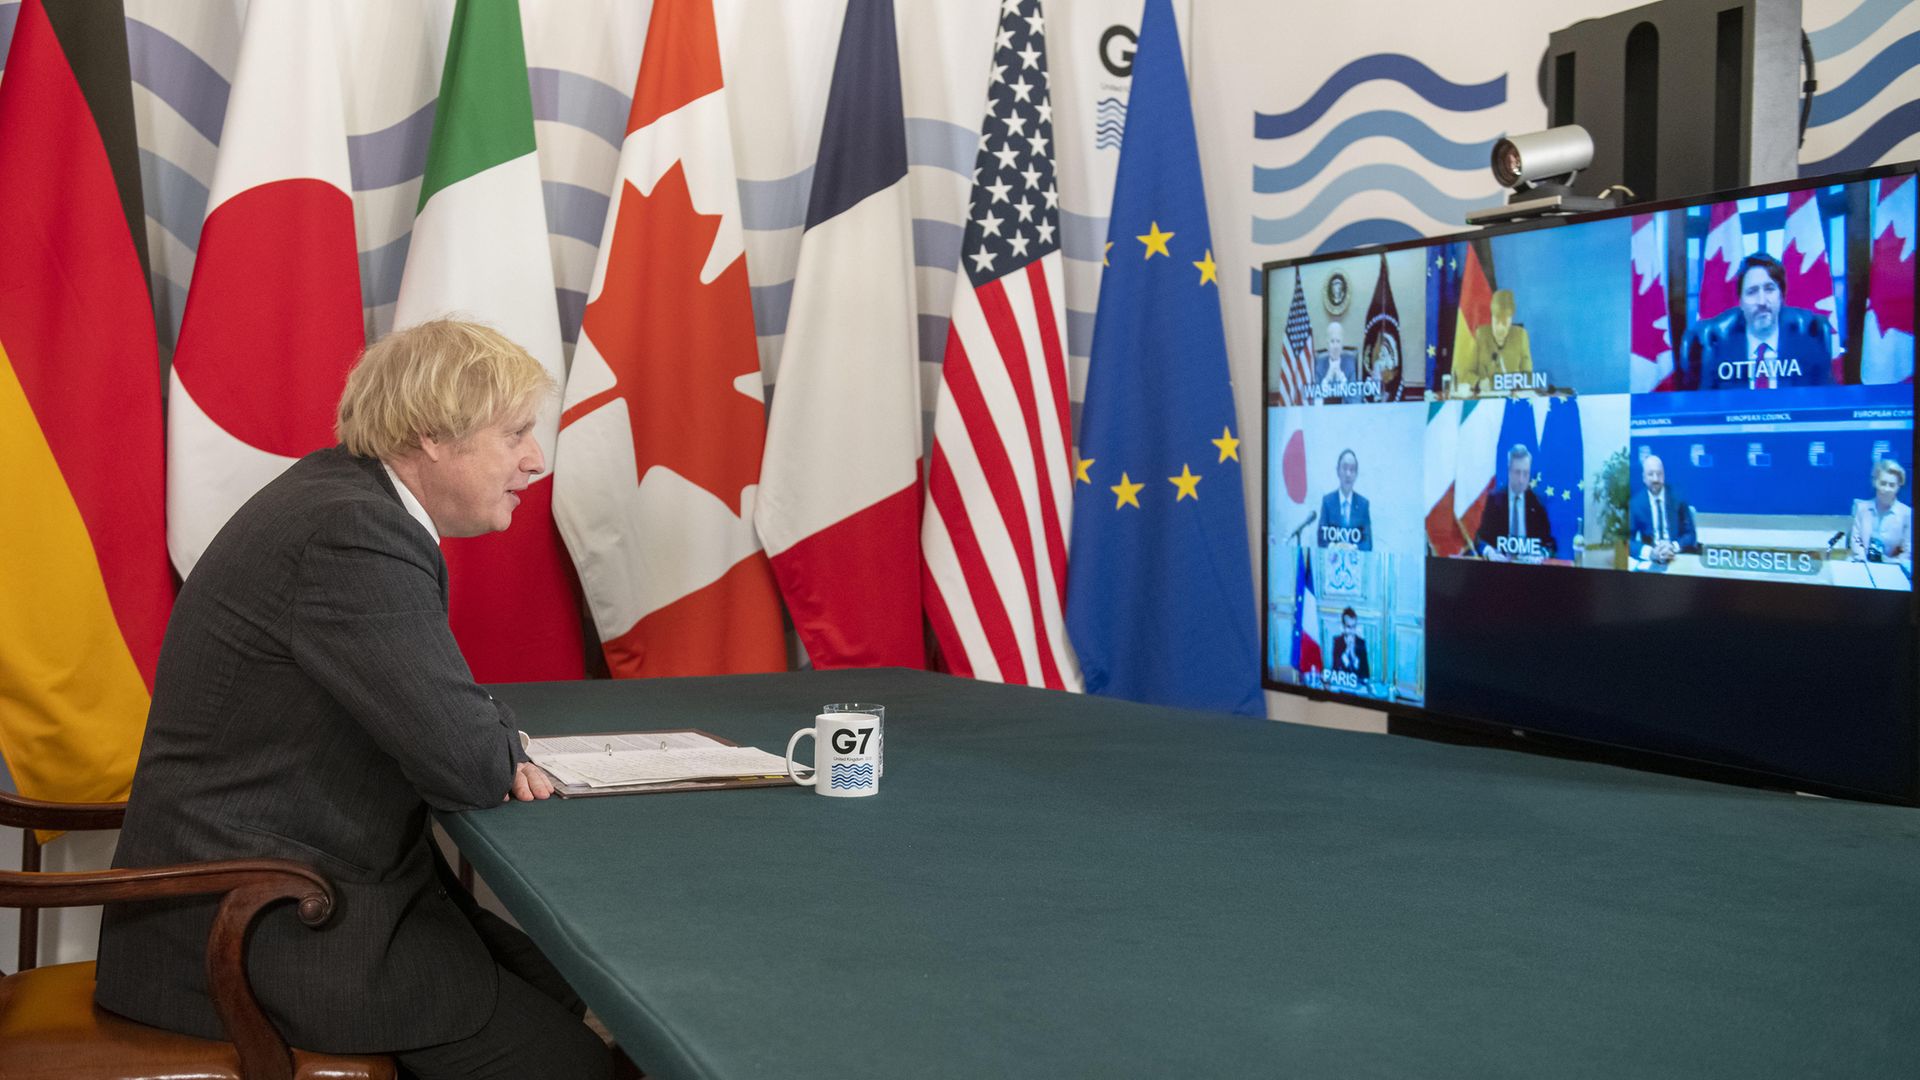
(1159, 587)
(1561, 473)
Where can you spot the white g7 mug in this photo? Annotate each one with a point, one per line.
(844, 751)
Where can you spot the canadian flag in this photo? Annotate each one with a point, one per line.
(1886, 353)
(1650, 341)
(1724, 250)
(663, 424)
(273, 317)
(1809, 274)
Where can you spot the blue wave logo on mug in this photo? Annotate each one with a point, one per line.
(851, 776)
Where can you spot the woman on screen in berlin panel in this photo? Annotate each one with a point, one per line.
(311, 704)
(1883, 525)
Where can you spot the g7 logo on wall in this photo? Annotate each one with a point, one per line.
(1116, 50)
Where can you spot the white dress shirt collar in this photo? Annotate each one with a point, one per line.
(412, 504)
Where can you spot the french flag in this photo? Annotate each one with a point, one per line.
(1306, 623)
(839, 501)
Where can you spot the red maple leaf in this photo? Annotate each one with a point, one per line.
(676, 345)
(1890, 284)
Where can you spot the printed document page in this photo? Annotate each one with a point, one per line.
(600, 761)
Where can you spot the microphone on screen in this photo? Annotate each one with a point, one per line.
(1311, 518)
(1835, 538)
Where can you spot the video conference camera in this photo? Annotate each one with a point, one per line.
(1539, 168)
(1542, 159)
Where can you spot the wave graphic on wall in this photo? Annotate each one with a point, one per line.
(1110, 123)
(1428, 153)
(1868, 61)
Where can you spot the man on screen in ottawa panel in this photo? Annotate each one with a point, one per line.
(1781, 345)
(1350, 651)
(1514, 528)
(1660, 521)
(1499, 348)
(1345, 519)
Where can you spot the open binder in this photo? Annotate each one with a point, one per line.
(571, 761)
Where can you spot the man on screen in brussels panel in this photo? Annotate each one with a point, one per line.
(1660, 521)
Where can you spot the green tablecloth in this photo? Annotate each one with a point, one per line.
(1058, 886)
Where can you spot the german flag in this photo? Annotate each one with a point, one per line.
(84, 581)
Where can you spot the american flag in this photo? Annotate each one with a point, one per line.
(1000, 485)
(1296, 351)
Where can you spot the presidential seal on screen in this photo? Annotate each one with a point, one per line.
(1337, 293)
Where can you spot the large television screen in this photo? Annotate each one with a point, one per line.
(1640, 478)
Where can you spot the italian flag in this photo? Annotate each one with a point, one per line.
(479, 252)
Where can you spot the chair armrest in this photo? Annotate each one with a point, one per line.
(21, 812)
(248, 886)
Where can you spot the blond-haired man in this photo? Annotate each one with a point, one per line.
(311, 704)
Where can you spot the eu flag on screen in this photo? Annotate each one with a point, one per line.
(1159, 586)
(1560, 472)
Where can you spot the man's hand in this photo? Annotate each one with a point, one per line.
(530, 782)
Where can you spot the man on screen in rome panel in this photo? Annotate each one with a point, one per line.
(1345, 520)
(1514, 527)
(1782, 346)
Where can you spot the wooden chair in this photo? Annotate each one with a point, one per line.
(50, 1028)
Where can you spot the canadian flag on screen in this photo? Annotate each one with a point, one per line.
(1724, 250)
(1886, 353)
(1651, 342)
(1809, 274)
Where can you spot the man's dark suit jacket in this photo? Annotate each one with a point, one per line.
(311, 704)
(1352, 659)
(1361, 518)
(1493, 522)
(1679, 521)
